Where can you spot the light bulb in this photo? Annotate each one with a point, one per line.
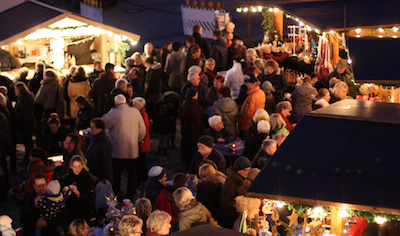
(395, 29)
(349, 61)
(317, 31)
(276, 10)
(253, 9)
(301, 24)
(358, 30)
(270, 9)
(279, 204)
(239, 10)
(296, 19)
(380, 220)
(259, 8)
(331, 31)
(380, 36)
(245, 9)
(380, 30)
(343, 213)
(318, 210)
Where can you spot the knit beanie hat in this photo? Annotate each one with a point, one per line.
(6, 221)
(342, 63)
(191, 92)
(53, 187)
(206, 140)
(156, 172)
(241, 163)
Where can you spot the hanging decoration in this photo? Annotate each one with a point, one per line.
(81, 40)
(263, 9)
(269, 26)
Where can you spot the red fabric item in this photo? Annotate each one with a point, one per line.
(357, 229)
(281, 58)
(288, 125)
(146, 141)
(33, 170)
(163, 204)
(209, 73)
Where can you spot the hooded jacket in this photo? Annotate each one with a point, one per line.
(193, 215)
(47, 95)
(77, 86)
(153, 79)
(24, 114)
(234, 79)
(254, 101)
(229, 111)
(302, 98)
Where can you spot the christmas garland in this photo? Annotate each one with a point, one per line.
(369, 216)
(67, 27)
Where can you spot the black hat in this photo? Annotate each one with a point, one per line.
(236, 36)
(206, 140)
(249, 77)
(191, 92)
(241, 163)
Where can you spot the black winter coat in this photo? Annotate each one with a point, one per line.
(192, 121)
(49, 141)
(153, 79)
(221, 134)
(186, 63)
(253, 144)
(34, 83)
(219, 53)
(203, 44)
(24, 114)
(4, 135)
(85, 115)
(209, 192)
(84, 206)
(214, 156)
(98, 156)
(232, 188)
(102, 86)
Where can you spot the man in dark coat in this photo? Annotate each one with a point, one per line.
(219, 52)
(137, 85)
(194, 82)
(30, 213)
(101, 87)
(236, 50)
(217, 130)
(97, 70)
(71, 149)
(98, 154)
(193, 125)
(207, 151)
(202, 42)
(233, 188)
(191, 59)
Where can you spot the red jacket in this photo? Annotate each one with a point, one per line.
(281, 58)
(288, 125)
(146, 141)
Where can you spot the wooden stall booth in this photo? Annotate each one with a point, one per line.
(337, 167)
(34, 29)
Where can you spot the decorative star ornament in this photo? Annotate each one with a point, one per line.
(293, 218)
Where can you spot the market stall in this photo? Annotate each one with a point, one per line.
(33, 29)
(339, 161)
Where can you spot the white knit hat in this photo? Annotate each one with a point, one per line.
(156, 172)
(53, 187)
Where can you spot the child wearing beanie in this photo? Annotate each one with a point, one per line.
(51, 204)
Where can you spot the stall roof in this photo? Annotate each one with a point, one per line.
(26, 18)
(343, 155)
(330, 14)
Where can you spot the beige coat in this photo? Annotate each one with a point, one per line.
(127, 130)
(76, 89)
(47, 95)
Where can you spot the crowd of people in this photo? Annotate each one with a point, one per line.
(101, 126)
